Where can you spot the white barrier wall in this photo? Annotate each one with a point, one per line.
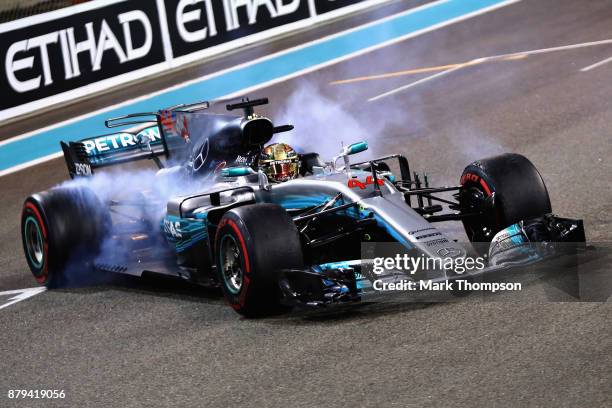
(65, 54)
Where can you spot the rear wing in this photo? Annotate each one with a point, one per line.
(143, 136)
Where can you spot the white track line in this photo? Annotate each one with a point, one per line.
(555, 49)
(597, 64)
(502, 56)
(419, 82)
(264, 58)
(31, 163)
(22, 294)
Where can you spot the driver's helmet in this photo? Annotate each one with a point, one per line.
(279, 162)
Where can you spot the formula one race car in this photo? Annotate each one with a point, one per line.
(272, 228)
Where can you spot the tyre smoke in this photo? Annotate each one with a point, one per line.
(135, 199)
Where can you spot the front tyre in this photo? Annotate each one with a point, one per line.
(252, 244)
(504, 189)
(60, 227)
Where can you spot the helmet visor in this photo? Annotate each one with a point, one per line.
(282, 170)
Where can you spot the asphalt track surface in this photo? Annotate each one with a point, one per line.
(161, 343)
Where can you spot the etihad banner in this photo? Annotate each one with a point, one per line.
(60, 54)
(195, 25)
(63, 55)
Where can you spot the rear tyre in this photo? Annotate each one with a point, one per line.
(506, 189)
(252, 244)
(60, 228)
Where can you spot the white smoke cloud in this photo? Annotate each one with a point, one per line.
(322, 124)
(325, 116)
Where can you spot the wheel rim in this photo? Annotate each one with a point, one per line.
(34, 242)
(480, 230)
(231, 264)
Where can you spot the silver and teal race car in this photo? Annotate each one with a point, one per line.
(211, 215)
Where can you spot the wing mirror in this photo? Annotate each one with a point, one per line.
(349, 150)
(355, 148)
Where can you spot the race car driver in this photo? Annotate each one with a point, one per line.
(280, 162)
